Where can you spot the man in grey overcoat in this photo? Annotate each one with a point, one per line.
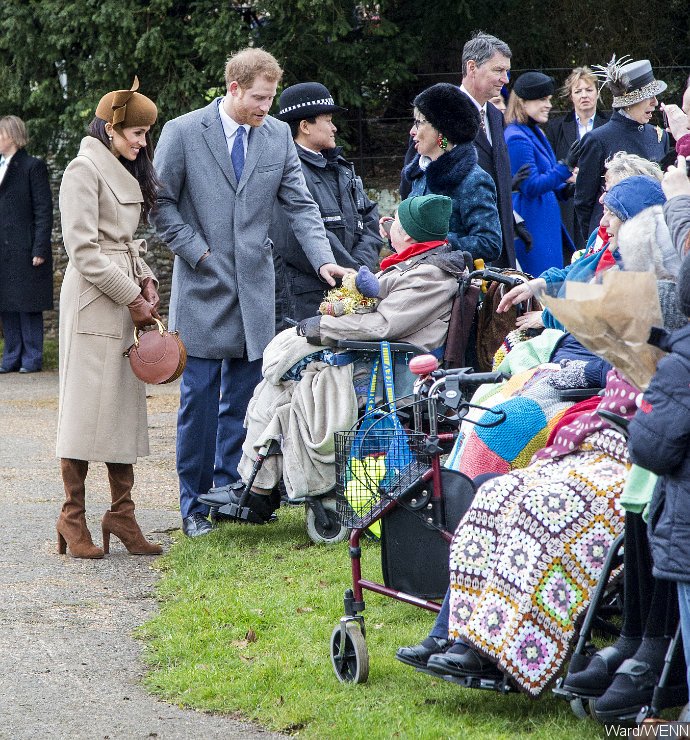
(221, 169)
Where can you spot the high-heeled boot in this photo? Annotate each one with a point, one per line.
(71, 524)
(119, 520)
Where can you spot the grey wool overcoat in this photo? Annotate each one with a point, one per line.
(225, 304)
(102, 408)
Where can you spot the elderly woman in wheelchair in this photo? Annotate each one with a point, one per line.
(307, 392)
(525, 558)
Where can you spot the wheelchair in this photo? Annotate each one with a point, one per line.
(583, 703)
(322, 523)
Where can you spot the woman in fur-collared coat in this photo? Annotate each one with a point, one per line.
(108, 290)
(445, 125)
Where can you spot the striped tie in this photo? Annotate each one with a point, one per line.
(482, 121)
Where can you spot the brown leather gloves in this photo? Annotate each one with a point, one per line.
(142, 312)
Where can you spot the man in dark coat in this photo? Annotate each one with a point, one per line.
(26, 265)
(485, 67)
(350, 218)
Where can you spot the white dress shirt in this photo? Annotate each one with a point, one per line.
(482, 111)
(584, 128)
(230, 127)
(4, 162)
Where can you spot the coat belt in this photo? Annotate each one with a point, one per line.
(133, 248)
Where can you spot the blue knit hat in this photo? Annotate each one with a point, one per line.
(632, 195)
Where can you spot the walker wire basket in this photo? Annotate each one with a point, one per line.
(373, 467)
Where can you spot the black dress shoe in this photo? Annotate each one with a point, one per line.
(468, 663)
(196, 525)
(27, 370)
(222, 495)
(418, 655)
(4, 370)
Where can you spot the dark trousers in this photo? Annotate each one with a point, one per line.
(23, 340)
(214, 395)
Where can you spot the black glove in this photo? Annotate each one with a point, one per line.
(522, 233)
(519, 176)
(573, 156)
(567, 192)
(311, 329)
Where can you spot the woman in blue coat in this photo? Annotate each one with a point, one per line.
(542, 179)
(446, 122)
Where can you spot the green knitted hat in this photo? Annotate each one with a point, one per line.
(426, 217)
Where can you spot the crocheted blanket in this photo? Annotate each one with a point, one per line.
(529, 552)
(532, 408)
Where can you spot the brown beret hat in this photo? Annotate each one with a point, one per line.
(127, 108)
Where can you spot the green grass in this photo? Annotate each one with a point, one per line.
(272, 582)
(50, 353)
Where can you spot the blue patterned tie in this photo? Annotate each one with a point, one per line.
(237, 153)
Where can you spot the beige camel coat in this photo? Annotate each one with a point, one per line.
(102, 411)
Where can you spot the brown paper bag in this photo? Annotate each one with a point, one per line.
(613, 319)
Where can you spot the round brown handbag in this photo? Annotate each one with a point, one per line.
(157, 357)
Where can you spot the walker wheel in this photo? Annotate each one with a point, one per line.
(351, 659)
(334, 532)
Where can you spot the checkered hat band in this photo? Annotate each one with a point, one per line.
(645, 92)
(297, 106)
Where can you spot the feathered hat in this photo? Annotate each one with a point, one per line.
(629, 82)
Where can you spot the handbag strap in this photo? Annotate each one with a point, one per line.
(371, 397)
(384, 361)
(387, 366)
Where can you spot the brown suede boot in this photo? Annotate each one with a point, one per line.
(120, 519)
(71, 524)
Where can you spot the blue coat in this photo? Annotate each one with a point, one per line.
(474, 224)
(659, 440)
(536, 200)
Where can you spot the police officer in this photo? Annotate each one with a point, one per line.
(350, 218)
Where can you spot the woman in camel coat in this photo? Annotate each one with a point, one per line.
(107, 290)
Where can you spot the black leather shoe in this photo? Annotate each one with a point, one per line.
(222, 495)
(4, 370)
(469, 663)
(418, 655)
(26, 370)
(196, 525)
(593, 680)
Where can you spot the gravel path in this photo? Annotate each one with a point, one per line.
(69, 667)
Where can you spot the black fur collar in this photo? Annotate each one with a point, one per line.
(444, 174)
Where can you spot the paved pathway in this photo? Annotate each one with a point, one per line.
(69, 667)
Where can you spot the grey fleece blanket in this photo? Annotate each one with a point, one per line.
(302, 416)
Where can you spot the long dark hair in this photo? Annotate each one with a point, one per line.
(141, 167)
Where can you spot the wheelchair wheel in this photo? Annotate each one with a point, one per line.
(351, 660)
(334, 532)
(579, 708)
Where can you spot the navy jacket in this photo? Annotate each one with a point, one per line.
(352, 228)
(561, 133)
(537, 198)
(620, 134)
(660, 441)
(494, 160)
(26, 222)
(474, 224)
